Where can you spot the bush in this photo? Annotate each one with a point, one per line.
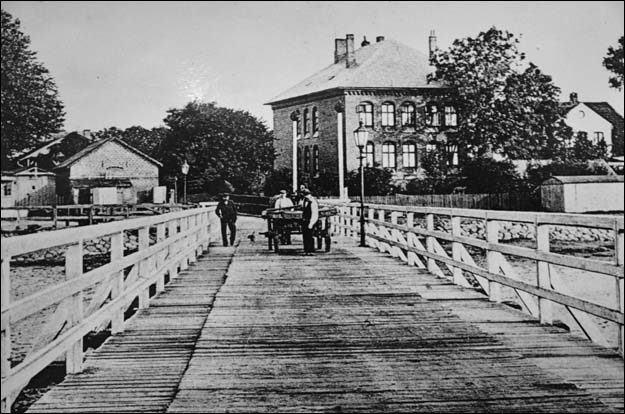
(378, 181)
(485, 175)
(326, 184)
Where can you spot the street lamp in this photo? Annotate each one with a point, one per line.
(185, 170)
(361, 135)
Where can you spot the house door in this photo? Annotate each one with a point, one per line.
(84, 196)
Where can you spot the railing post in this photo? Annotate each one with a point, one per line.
(117, 287)
(144, 266)
(73, 270)
(394, 216)
(429, 242)
(184, 265)
(619, 253)
(492, 236)
(544, 278)
(160, 236)
(173, 249)
(456, 231)
(55, 216)
(6, 332)
(409, 219)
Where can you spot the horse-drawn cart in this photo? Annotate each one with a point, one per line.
(283, 222)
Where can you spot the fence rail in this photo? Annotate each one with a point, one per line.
(496, 201)
(410, 234)
(180, 237)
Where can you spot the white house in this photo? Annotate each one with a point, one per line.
(598, 120)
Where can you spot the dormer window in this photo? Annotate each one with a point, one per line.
(388, 114)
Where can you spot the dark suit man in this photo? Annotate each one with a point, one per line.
(227, 212)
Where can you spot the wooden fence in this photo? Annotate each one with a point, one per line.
(394, 229)
(180, 237)
(496, 201)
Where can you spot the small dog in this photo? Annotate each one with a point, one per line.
(252, 238)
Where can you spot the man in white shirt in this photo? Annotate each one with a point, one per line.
(283, 201)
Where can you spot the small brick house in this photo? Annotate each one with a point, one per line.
(104, 164)
(384, 85)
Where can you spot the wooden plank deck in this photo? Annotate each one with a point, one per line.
(350, 330)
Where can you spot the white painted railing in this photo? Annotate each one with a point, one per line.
(179, 238)
(419, 244)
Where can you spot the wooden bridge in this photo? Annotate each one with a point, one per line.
(413, 323)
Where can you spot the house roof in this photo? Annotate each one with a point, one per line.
(385, 64)
(90, 148)
(579, 179)
(45, 149)
(34, 170)
(604, 109)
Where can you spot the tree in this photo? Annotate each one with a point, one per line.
(378, 181)
(220, 144)
(501, 107)
(613, 62)
(31, 109)
(145, 140)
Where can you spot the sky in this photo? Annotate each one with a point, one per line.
(126, 63)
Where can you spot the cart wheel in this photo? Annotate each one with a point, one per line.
(328, 241)
(276, 242)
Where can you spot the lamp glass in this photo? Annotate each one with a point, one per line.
(185, 168)
(361, 136)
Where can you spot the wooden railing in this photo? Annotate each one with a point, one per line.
(177, 240)
(393, 229)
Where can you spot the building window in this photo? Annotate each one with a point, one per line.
(388, 155)
(306, 122)
(315, 120)
(451, 119)
(388, 114)
(298, 127)
(431, 146)
(307, 159)
(434, 116)
(408, 112)
(7, 189)
(369, 154)
(452, 153)
(365, 114)
(598, 137)
(409, 154)
(315, 160)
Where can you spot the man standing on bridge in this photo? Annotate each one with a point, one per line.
(310, 216)
(227, 212)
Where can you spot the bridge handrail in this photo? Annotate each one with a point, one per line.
(180, 237)
(402, 240)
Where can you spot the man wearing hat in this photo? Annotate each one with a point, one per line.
(310, 216)
(227, 212)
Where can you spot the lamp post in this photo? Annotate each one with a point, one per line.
(361, 135)
(185, 170)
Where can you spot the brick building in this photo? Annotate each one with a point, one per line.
(105, 164)
(384, 85)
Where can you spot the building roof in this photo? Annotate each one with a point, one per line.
(34, 170)
(579, 179)
(385, 64)
(604, 109)
(90, 148)
(45, 148)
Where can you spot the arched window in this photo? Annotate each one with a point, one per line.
(452, 153)
(451, 119)
(408, 114)
(315, 160)
(306, 122)
(315, 120)
(370, 154)
(388, 155)
(434, 116)
(298, 126)
(307, 159)
(409, 154)
(388, 114)
(431, 146)
(365, 113)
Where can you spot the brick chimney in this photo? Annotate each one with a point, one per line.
(379, 39)
(350, 58)
(432, 43)
(340, 49)
(573, 98)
